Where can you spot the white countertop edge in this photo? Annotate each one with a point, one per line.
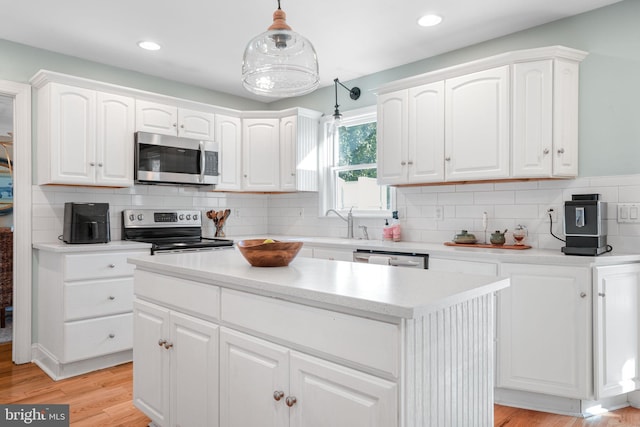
(116, 245)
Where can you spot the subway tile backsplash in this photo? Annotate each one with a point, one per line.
(428, 214)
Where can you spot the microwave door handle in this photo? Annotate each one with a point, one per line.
(202, 161)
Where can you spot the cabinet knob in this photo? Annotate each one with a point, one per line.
(277, 395)
(92, 163)
(403, 163)
(601, 294)
(100, 165)
(245, 175)
(290, 401)
(560, 150)
(168, 345)
(112, 266)
(448, 159)
(112, 336)
(175, 125)
(409, 162)
(583, 295)
(545, 151)
(111, 297)
(161, 342)
(293, 174)
(182, 126)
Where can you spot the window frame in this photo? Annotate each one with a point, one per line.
(328, 161)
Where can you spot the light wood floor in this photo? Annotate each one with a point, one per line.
(103, 398)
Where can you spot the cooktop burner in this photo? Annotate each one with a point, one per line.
(168, 230)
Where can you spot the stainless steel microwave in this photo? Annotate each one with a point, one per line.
(164, 159)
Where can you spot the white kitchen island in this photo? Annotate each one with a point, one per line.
(318, 343)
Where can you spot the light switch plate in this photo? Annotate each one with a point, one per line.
(628, 213)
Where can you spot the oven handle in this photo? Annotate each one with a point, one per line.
(202, 161)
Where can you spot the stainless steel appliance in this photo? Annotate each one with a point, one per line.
(168, 230)
(395, 259)
(86, 223)
(585, 225)
(163, 159)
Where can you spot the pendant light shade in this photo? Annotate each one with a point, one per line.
(280, 62)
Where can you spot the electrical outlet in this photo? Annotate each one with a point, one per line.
(628, 213)
(236, 213)
(551, 211)
(301, 212)
(438, 213)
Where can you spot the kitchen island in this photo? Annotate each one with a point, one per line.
(220, 343)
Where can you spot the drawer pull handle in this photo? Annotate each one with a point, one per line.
(162, 342)
(290, 401)
(168, 345)
(111, 297)
(112, 266)
(583, 295)
(601, 294)
(277, 395)
(111, 336)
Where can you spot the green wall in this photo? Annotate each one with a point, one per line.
(609, 80)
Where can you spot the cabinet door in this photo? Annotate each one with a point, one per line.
(115, 121)
(462, 266)
(392, 137)
(194, 371)
(288, 140)
(156, 118)
(251, 371)
(425, 157)
(229, 136)
(331, 395)
(615, 308)
(73, 134)
(196, 124)
(544, 330)
(477, 125)
(261, 154)
(565, 118)
(151, 361)
(532, 141)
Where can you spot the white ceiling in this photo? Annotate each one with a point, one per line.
(203, 41)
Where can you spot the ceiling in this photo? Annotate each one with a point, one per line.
(203, 41)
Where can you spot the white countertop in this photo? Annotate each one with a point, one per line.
(527, 256)
(375, 291)
(116, 245)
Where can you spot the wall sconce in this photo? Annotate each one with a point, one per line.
(354, 93)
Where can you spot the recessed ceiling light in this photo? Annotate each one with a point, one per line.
(149, 45)
(429, 20)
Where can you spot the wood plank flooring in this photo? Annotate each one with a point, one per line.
(103, 398)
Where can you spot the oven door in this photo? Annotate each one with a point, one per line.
(169, 159)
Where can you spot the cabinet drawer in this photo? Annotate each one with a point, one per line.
(198, 299)
(97, 298)
(363, 341)
(95, 337)
(98, 266)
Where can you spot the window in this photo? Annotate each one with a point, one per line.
(350, 172)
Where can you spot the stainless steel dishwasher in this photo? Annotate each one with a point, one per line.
(395, 259)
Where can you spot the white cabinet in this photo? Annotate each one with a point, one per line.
(288, 158)
(615, 309)
(286, 388)
(176, 367)
(85, 137)
(463, 266)
(170, 120)
(261, 154)
(229, 135)
(392, 140)
(477, 125)
(333, 254)
(544, 330)
(545, 123)
(84, 311)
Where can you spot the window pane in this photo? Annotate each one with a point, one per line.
(357, 144)
(358, 189)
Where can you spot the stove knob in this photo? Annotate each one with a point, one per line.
(195, 217)
(140, 217)
(188, 217)
(132, 217)
(181, 217)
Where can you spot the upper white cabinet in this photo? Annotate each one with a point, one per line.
(477, 125)
(171, 120)
(85, 137)
(229, 135)
(513, 115)
(299, 151)
(261, 154)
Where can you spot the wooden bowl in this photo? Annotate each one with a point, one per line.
(276, 254)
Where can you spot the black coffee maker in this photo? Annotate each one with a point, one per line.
(585, 225)
(86, 223)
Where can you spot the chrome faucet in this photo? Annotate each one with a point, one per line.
(349, 220)
(364, 231)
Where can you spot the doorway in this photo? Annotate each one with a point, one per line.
(20, 95)
(6, 218)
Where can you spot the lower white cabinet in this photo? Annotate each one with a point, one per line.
(544, 330)
(176, 367)
(287, 388)
(463, 266)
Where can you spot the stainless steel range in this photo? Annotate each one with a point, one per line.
(168, 230)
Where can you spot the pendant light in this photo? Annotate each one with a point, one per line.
(354, 93)
(280, 62)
